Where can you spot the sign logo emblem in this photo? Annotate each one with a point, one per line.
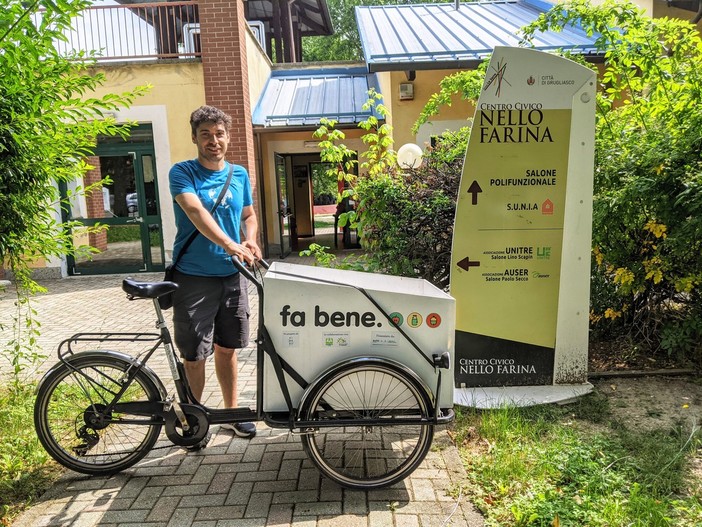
(498, 77)
(547, 207)
(531, 80)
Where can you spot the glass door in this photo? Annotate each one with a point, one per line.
(148, 209)
(127, 205)
(284, 206)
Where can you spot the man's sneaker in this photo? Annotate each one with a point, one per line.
(202, 444)
(246, 430)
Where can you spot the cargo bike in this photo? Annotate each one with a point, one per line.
(358, 364)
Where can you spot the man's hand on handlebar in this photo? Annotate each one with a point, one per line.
(253, 247)
(243, 251)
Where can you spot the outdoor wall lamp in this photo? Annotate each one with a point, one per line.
(409, 156)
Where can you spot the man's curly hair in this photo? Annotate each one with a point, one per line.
(209, 114)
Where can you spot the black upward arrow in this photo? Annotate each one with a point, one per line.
(466, 264)
(474, 189)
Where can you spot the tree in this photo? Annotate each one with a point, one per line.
(404, 217)
(48, 125)
(345, 43)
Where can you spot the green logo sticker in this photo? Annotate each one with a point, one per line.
(397, 318)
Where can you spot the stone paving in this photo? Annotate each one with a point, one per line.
(266, 481)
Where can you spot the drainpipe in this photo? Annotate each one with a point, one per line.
(458, 4)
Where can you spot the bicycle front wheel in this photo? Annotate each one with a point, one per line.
(372, 455)
(73, 426)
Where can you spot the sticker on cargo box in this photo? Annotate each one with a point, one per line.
(433, 320)
(384, 339)
(291, 339)
(396, 318)
(414, 320)
(337, 340)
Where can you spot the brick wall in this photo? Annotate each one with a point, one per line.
(224, 64)
(94, 203)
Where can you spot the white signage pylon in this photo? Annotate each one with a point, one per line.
(520, 269)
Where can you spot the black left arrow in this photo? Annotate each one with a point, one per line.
(466, 264)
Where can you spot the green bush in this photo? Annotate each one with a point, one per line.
(404, 217)
(407, 217)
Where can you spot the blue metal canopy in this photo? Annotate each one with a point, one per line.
(440, 36)
(301, 97)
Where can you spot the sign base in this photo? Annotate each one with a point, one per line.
(496, 397)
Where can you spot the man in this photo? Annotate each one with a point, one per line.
(210, 307)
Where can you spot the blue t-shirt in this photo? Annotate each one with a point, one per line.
(202, 257)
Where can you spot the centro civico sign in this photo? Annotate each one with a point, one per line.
(520, 265)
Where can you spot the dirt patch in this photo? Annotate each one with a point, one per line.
(620, 354)
(648, 403)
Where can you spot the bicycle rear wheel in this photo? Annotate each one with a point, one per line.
(372, 455)
(71, 422)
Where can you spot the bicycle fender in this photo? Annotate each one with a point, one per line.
(118, 355)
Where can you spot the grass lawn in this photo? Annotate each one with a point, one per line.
(575, 465)
(26, 471)
(323, 221)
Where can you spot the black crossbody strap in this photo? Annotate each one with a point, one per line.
(192, 237)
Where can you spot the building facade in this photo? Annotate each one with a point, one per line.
(245, 57)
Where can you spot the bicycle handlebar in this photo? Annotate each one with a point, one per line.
(242, 268)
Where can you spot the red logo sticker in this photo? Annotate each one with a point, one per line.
(433, 320)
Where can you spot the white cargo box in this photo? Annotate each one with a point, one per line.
(317, 318)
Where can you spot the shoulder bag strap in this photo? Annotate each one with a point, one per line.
(214, 207)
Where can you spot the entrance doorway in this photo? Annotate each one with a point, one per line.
(307, 207)
(128, 206)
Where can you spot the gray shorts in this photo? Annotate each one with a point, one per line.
(209, 310)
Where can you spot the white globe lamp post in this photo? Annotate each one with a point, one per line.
(409, 156)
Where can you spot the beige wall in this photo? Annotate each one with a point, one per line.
(405, 113)
(259, 68)
(660, 9)
(176, 85)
